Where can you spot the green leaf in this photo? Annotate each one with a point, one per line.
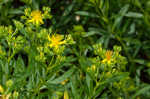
(123, 10)
(115, 78)
(16, 11)
(63, 77)
(141, 91)
(68, 10)
(84, 13)
(118, 19)
(134, 15)
(132, 28)
(90, 33)
(74, 86)
(89, 83)
(139, 61)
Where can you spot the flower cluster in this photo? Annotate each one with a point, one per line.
(108, 57)
(56, 40)
(43, 61)
(5, 93)
(36, 17)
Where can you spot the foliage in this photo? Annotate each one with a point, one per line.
(74, 49)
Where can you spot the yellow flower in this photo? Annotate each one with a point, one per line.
(36, 17)
(66, 95)
(108, 57)
(6, 96)
(1, 89)
(119, 97)
(1, 52)
(138, 97)
(93, 67)
(82, 76)
(64, 82)
(88, 69)
(108, 74)
(10, 31)
(15, 94)
(55, 41)
(9, 83)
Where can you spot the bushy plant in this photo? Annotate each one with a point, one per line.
(74, 49)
